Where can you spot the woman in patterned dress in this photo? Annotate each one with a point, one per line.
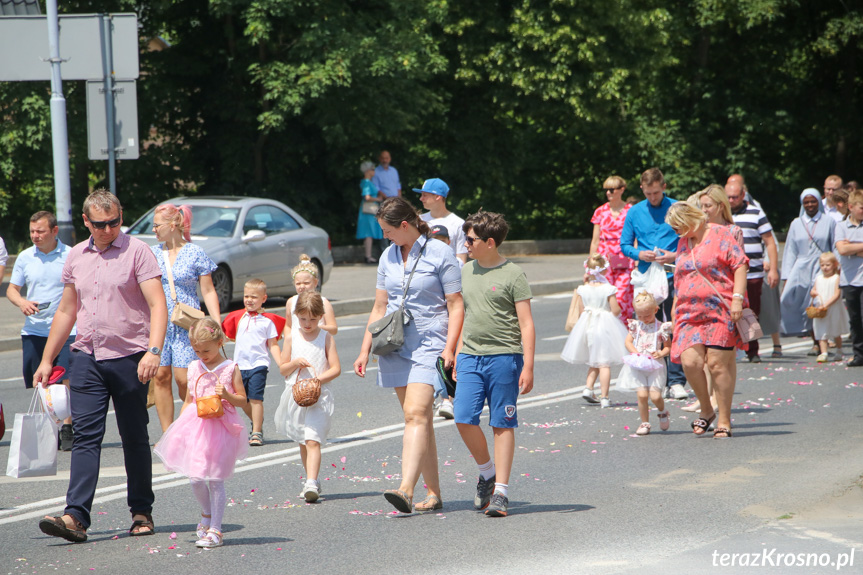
(189, 265)
(710, 264)
(607, 223)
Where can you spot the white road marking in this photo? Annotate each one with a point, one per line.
(104, 494)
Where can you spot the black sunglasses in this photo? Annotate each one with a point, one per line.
(110, 223)
(470, 240)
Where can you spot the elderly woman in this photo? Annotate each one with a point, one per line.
(434, 304)
(710, 279)
(607, 223)
(367, 226)
(186, 265)
(810, 235)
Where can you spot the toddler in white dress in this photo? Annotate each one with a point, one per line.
(597, 338)
(827, 295)
(648, 342)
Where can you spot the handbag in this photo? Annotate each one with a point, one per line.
(747, 326)
(572, 314)
(306, 392)
(183, 315)
(33, 449)
(209, 406)
(370, 207)
(388, 333)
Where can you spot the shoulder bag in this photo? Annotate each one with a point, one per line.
(747, 326)
(183, 315)
(370, 207)
(572, 314)
(388, 333)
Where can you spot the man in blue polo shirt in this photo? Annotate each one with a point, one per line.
(657, 242)
(386, 177)
(39, 269)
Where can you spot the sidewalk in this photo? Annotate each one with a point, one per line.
(351, 289)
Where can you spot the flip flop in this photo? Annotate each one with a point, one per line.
(56, 527)
(430, 503)
(722, 433)
(399, 500)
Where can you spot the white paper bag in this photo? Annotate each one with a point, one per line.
(33, 449)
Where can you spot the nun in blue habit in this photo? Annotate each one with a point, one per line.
(810, 235)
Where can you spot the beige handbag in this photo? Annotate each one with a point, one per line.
(572, 315)
(183, 315)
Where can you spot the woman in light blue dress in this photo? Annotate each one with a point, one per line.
(436, 309)
(190, 265)
(368, 228)
(810, 234)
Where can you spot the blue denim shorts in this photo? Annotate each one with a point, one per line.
(254, 381)
(491, 378)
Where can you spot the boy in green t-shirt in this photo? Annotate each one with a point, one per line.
(495, 360)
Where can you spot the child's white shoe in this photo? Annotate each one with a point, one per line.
(588, 396)
(604, 402)
(643, 429)
(311, 491)
(821, 358)
(213, 538)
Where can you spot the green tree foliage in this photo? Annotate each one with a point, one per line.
(523, 107)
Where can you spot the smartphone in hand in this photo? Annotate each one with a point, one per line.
(43, 306)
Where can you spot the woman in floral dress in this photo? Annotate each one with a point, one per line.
(710, 279)
(607, 223)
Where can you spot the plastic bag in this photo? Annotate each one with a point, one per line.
(33, 449)
(653, 281)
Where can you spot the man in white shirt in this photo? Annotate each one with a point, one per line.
(832, 184)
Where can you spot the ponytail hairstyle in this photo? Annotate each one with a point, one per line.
(395, 210)
(206, 329)
(180, 216)
(305, 265)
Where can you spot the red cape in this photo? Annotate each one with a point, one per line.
(232, 320)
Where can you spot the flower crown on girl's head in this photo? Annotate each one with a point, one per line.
(305, 265)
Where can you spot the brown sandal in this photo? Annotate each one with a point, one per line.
(399, 499)
(139, 524)
(56, 527)
(430, 503)
(722, 433)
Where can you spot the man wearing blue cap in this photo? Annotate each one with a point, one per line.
(433, 196)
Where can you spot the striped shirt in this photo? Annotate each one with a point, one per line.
(753, 221)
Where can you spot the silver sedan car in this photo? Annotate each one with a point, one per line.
(249, 238)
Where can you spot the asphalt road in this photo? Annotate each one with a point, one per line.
(587, 495)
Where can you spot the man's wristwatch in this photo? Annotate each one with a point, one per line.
(155, 350)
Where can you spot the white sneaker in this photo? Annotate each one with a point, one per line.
(311, 491)
(588, 396)
(445, 409)
(677, 392)
(821, 358)
(604, 402)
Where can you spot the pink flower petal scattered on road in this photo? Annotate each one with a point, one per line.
(343, 459)
(173, 535)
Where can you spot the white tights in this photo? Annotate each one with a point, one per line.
(212, 499)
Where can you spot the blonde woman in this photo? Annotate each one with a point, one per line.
(710, 278)
(189, 265)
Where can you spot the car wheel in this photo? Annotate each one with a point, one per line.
(224, 284)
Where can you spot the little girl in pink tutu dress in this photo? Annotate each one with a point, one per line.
(206, 450)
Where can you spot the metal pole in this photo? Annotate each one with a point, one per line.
(108, 70)
(59, 134)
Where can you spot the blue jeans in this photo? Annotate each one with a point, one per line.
(675, 370)
(94, 384)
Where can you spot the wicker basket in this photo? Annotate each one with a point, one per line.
(814, 312)
(306, 392)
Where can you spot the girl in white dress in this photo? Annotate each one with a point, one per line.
(312, 351)
(305, 276)
(597, 338)
(826, 294)
(648, 343)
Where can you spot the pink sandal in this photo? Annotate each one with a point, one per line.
(664, 422)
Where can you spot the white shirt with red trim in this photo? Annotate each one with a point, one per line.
(251, 332)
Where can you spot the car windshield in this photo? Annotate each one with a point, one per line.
(210, 221)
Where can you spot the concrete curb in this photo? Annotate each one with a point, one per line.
(364, 305)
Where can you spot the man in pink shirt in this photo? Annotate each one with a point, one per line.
(113, 289)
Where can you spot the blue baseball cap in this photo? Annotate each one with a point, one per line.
(434, 186)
